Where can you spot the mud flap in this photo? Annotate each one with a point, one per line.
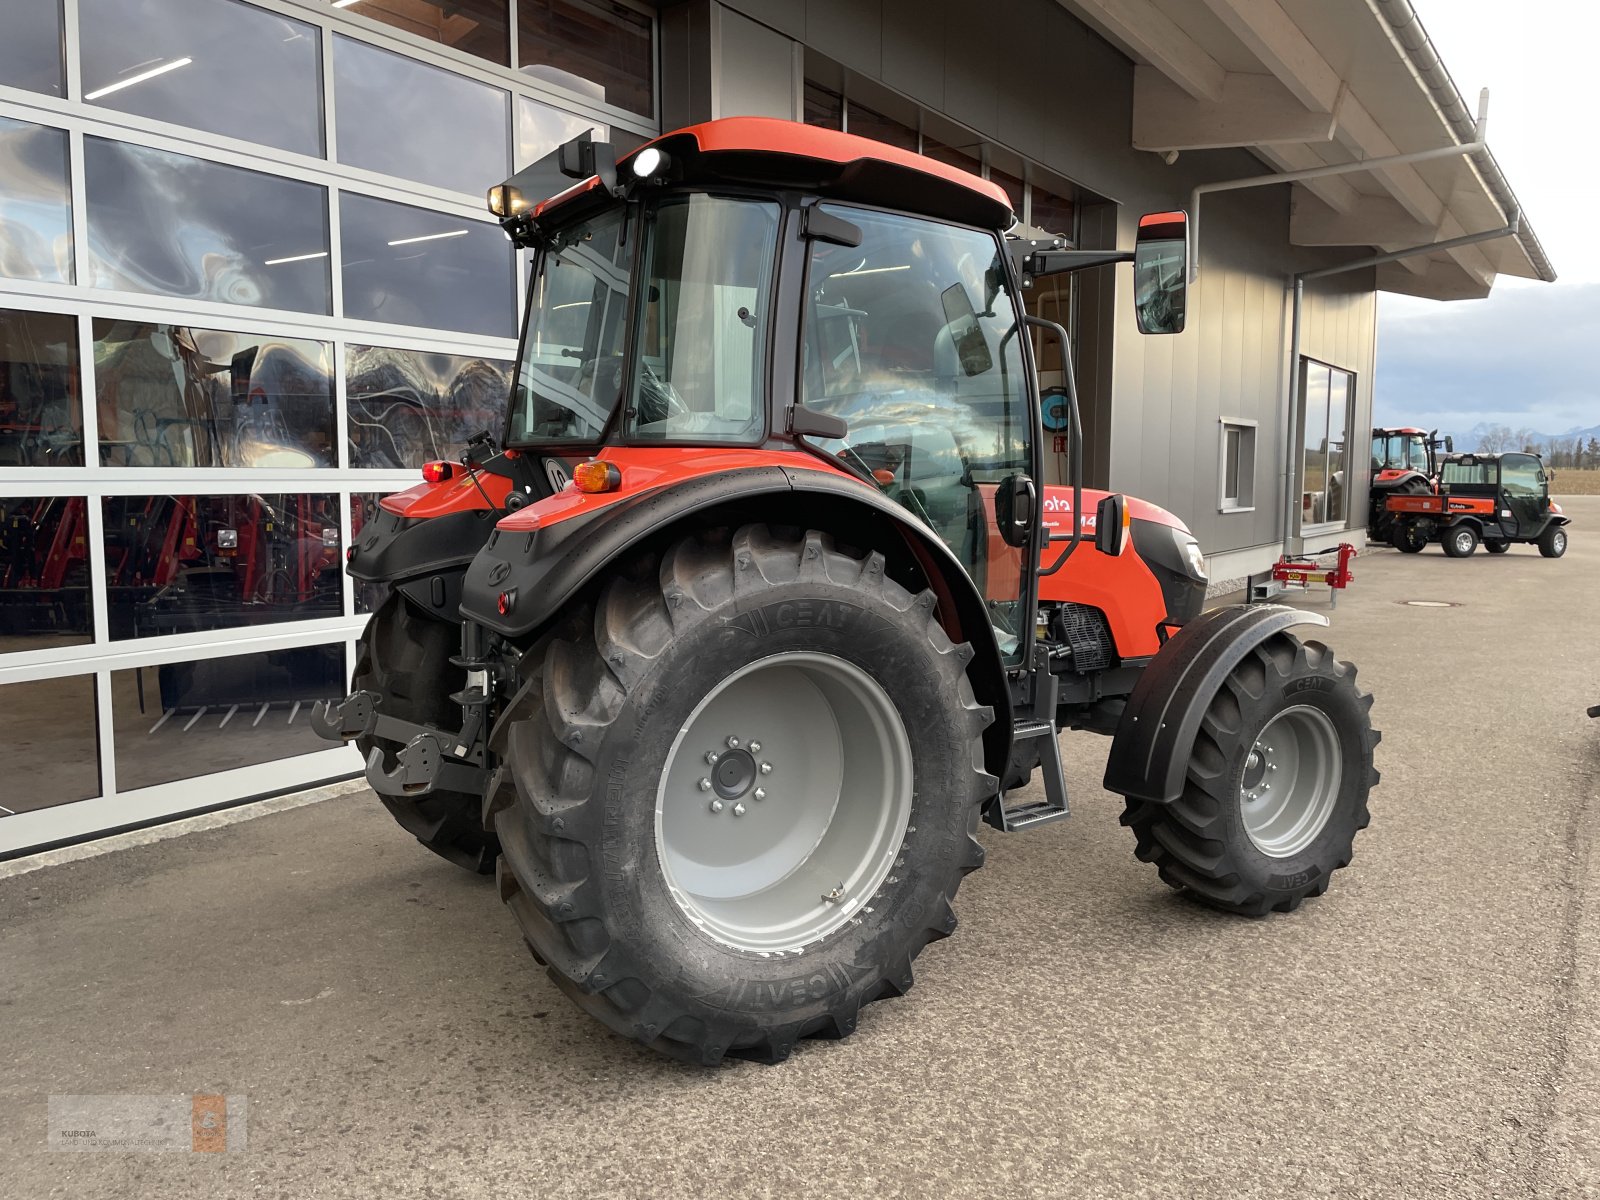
(1156, 734)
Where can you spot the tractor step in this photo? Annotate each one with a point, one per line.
(1054, 805)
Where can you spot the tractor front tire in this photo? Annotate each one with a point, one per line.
(737, 793)
(1459, 541)
(1553, 541)
(404, 656)
(1276, 787)
(1408, 537)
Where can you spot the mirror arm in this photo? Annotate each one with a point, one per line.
(1074, 445)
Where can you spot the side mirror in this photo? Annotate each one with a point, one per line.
(1449, 444)
(1111, 524)
(1161, 272)
(972, 348)
(1013, 509)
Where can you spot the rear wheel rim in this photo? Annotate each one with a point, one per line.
(1290, 782)
(1463, 541)
(784, 801)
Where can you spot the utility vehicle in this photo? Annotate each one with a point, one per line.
(1496, 499)
(761, 607)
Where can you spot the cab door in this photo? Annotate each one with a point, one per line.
(913, 338)
(1522, 491)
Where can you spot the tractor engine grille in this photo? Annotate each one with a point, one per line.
(1083, 629)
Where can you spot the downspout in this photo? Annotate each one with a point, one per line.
(1292, 543)
(1412, 38)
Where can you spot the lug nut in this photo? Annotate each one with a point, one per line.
(738, 810)
(711, 758)
(716, 806)
(705, 785)
(733, 743)
(755, 747)
(760, 793)
(766, 768)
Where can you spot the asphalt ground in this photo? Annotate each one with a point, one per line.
(1427, 1028)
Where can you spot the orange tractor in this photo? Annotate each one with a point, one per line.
(719, 662)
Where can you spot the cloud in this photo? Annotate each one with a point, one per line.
(1523, 357)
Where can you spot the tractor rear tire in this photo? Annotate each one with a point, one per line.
(1408, 538)
(1553, 541)
(1240, 837)
(404, 656)
(1459, 541)
(1496, 545)
(668, 895)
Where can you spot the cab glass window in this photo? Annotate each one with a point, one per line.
(702, 320)
(1519, 475)
(912, 338)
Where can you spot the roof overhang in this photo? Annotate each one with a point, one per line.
(1306, 83)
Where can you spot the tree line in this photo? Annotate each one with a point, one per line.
(1571, 450)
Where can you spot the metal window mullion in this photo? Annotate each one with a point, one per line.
(346, 540)
(71, 58)
(513, 47)
(105, 733)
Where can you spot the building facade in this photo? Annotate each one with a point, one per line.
(248, 285)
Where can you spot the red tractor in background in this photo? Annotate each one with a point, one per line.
(720, 661)
(1404, 463)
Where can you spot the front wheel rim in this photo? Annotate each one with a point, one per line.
(784, 801)
(1290, 782)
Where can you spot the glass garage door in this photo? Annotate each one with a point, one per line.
(236, 308)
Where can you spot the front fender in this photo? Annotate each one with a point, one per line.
(1156, 734)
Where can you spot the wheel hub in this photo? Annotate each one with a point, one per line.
(1289, 783)
(734, 774)
(775, 874)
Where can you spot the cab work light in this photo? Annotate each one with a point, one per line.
(506, 201)
(596, 476)
(438, 472)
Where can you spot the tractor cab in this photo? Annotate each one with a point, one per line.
(1395, 451)
(759, 285)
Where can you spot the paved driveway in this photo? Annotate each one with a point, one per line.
(1429, 1028)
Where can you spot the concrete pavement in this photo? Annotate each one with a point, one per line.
(1431, 1027)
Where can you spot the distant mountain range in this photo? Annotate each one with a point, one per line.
(1471, 439)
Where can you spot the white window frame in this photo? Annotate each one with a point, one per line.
(1246, 427)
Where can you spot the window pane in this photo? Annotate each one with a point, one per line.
(370, 595)
(406, 118)
(541, 128)
(177, 564)
(823, 106)
(703, 319)
(1313, 480)
(1230, 468)
(184, 719)
(218, 65)
(41, 419)
(408, 406)
(30, 51)
(1013, 188)
(475, 26)
(592, 47)
(408, 266)
(1519, 475)
(953, 157)
(35, 205)
(1052, 213)
(905, 341)
(181, 226)
(868, 124)
(1340, 394)
(177, 396)
(44, 573)
(51, 743)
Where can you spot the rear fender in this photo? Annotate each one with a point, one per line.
(547, 564)
(1156, 734)
(425, 558)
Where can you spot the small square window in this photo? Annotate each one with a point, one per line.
(1237, 490)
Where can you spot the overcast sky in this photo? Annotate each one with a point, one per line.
(1526, 355)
